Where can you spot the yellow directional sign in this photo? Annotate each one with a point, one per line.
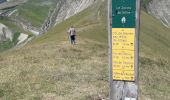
(123, 26)
(123, 53)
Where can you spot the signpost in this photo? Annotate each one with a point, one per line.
(123, 28)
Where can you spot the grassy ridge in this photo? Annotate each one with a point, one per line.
(154, 35)
(154, 59)
(35, 11)
(51, 68)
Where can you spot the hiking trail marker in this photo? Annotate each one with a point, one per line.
(123, 26)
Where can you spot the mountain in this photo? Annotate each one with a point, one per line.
(49, 68)
(160, 9)
(33, 18)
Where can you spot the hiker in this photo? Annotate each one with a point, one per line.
(72, 35)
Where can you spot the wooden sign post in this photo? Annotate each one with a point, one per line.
(123, 26)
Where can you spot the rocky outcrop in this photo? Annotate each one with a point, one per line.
(63, 10)
(22, 37)
(2, 1)
(27, 26)
(11, 4)
(5, 33)
(161, 10)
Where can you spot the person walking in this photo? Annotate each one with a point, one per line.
(72, 35)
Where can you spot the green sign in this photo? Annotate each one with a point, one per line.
(123, 13)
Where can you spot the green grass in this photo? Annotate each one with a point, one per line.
(11, 25)
(154, 35)
(50, 68)
(87, 27)
(8, 43)
(34, 12)
(16, 30)
(154, 59)
(5, 45)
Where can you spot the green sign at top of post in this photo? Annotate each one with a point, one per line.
(123, 13)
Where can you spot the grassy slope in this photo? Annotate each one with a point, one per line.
(154, 59)
(35, 12)
(11, 25)
(15, 30)
(50, 67)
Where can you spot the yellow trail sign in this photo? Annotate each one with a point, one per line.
(123, 53)
(123, 26)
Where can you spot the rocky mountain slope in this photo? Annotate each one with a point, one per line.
(161, 10)
(63, 10)
(49, 68)
(5, 33)
(30, 16)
